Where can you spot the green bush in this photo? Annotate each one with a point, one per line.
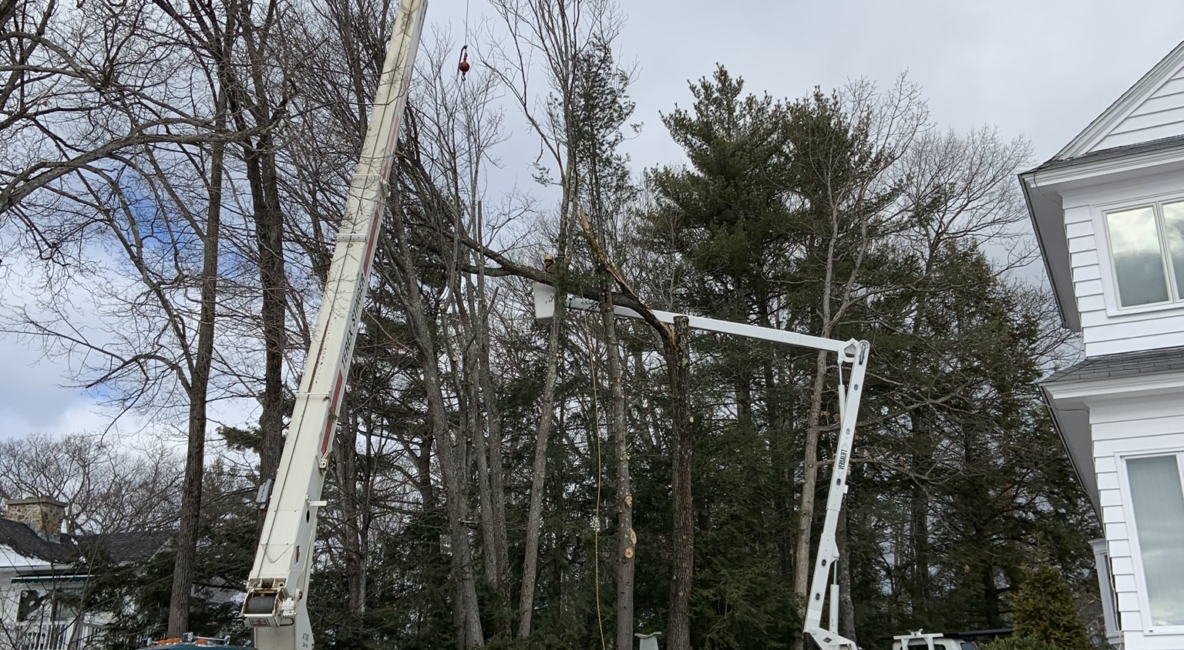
(1044, 610)
(1020, 643)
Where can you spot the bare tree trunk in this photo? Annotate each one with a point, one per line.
(919, 516)
(626, 538)
(269, 227)
(493, 419)
(801, 574)
(250, 96)
(345, 453)
(802, 563)
(481, 455)
(269, 237)
(452, 453)
(496, 473)
(682, 553)
(846, 602)
(183, 566)
(534, 517)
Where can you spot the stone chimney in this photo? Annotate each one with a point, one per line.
(43, 514)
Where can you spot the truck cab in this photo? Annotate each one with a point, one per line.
(933, 641)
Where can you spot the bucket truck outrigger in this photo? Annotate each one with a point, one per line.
(851, 352)
(277, 590)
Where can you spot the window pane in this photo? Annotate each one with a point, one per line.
(1159, 518)
(1173, 217)
(1138, 262)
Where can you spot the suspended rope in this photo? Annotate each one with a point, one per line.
(599, 477)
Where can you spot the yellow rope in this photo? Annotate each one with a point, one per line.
(599, 475)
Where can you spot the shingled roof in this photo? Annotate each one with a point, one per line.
(21, 539)
(127, 547)
(1150, 146)
(1118, 366)
(121, 548)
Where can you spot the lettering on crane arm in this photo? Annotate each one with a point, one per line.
(843, 460)
(325, 437)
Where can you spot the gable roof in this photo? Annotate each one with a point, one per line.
(1151, 109)
(1143, 128)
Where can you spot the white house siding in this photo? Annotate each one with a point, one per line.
(1121, 427)
(10, 563)
(1104, 328)
(1159, 116)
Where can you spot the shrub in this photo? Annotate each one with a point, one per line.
(1043, 609)
(1020, 643)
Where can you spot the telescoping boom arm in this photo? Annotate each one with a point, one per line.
(828, 638)
(277, 590)
(848, 352)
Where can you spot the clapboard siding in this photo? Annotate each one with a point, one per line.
(1082, 244)
(1151, 120)
(1091, 272)
(1114, 515)
(1140, 641)
(1150, 424)
(1143, 327)
(1133, 415)
(1116, 531)
(1107, 420)
(1135, 343)
(1078, 229)
(1126, 584)
(1083, 261)
(1165, 102)
(1102, 330)
(1088, 288)
(1110, 498)
(1170, 312)
(1161, 115)
(1143, 135)
(1155, 440)
(1091, 303)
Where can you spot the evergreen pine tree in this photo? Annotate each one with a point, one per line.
(1043, 609)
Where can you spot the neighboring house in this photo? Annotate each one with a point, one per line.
(1109, 213)
(43, 574)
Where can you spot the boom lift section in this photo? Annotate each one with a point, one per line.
(277, 590)
(850, 352)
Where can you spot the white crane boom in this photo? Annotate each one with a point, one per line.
(277, 590)
(852, 352)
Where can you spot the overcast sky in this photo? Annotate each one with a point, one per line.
(1042, 69)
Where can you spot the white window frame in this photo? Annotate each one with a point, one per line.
(1115, 299)
(1128, 506)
